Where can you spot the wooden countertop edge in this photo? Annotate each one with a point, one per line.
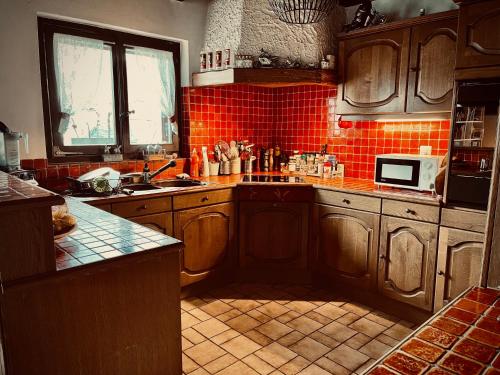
(17, 204)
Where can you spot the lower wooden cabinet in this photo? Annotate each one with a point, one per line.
(407, 261)
(273, 235)
(346, 245)
(208, 236)
(160, 222)
(460, 257)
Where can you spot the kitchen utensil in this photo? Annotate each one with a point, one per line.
(10, 159)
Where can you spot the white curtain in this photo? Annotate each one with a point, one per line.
(78, 68)
(151, 93)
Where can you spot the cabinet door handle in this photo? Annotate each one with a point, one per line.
(410, 211)
(441, 273)
(143, 207)
(204, 199)
(346, 201)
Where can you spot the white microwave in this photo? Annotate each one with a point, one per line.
(407, 171)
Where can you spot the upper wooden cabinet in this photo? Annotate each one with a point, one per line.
(403, 67)
(432, 64)
(479, 35)
(407, 263)
(373, 73)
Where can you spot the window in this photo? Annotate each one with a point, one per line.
(107, 88)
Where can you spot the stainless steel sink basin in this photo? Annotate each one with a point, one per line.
(178, 183)
(141, 187)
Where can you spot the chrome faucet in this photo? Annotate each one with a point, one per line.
(147, 176)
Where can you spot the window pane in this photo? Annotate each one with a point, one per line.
(151, 95)
(84, 80)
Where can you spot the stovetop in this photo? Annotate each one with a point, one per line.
(271, 179)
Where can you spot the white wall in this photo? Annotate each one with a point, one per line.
(20, 92)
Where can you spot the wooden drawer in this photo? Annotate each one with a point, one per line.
(202, 199)
(105, 207)
(462, 219)
(415, 211)
(142, 207)
(354, 201)
(275, 193)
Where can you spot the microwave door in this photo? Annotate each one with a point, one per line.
(396, 172)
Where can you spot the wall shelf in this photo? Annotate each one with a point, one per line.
(271, 77)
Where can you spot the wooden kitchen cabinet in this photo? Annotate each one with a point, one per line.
(208, 236)
(162, 223)
(347, 245)
(460, 257)
(407, 261)
(373, 72)
(273, 235)
(478, 35)
(432, 66)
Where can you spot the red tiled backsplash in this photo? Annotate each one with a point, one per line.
(53, 176)
(297, 118)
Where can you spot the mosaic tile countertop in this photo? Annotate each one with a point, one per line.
(101, 236)
(462, 339)
(14, 191)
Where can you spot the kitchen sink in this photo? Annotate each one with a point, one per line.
(141, 187)
(178, 183)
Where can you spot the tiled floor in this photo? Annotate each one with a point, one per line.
(251, 329)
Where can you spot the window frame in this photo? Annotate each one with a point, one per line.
(119, 42)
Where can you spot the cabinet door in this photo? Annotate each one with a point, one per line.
(273, 234)
(478, 35)
(373, 73)
(407, 262)
(432, 66)
(207, 234)
(347, 245)
(159, 222)
(460, 257)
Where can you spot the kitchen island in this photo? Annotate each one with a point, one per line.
(114, 309)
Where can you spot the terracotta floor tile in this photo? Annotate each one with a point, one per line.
(243, 323)
(347, 357)
(332, 367)
(262, 367)
(492, 325)
(273, 309)
(496, 362)
(187, 321)
(225, 336)
(291, 338)
(422, 350)
(356, 308)
(405, 364)
(461, 315)
(387, 340)
(325, 339)
(362, 369)
(257, 315)
(485, 337)
(210, 328)
(398, 331)
(204, 353)
(438, 371)
(286, 317)
(375, 349)
(450, 326)
(200, 314)
(294, 366)
(380, 370)
(258, 337)
(200, 371)
(229, 315)
(348, 318)
(367, 327)
(274, 329)
(358, 340)
(188, 365)
(220, 363)
(193, 336)
(244, 305)
(472, 306)
(493, 312)
(318, 318)
(309, 349)
(474, 350)
(338, 331)
(240, 346)
(275, 354)
(185, 343)
(300, 307)
(216, 308)
(304, 325)
(437, 337)
(314, 370)
(238, 368)
(478, 296)
(460, 365)
(492, 371)
(331, 311)
(191, 303)
(382, 318)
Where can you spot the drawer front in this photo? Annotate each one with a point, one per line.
(466, 220)
(357, 202)
(142, 207)
(415, 211)
(202, 199)
(275, 193)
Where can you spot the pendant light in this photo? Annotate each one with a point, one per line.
(302, 11)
